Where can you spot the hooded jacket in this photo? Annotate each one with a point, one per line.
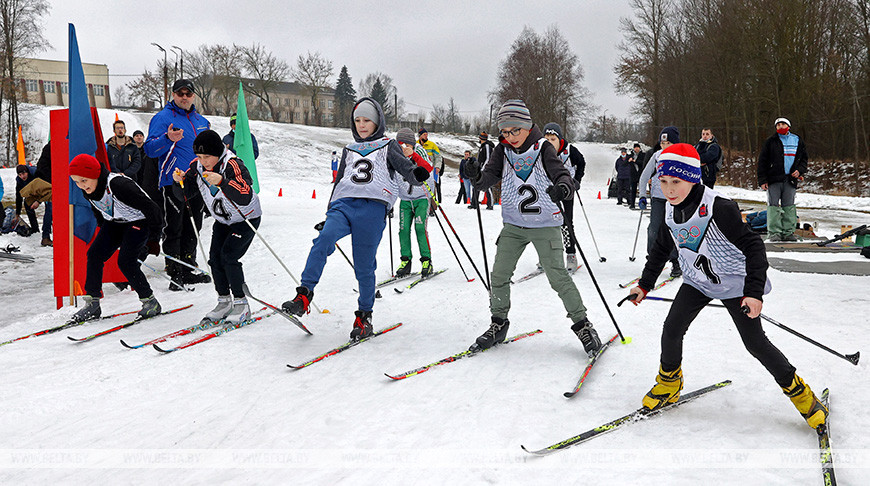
(124, 159)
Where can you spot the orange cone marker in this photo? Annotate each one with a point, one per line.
(280, 193)
(314, 194)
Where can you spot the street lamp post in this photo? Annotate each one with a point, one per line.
(181, 55)
(165, 73)
(175, 69)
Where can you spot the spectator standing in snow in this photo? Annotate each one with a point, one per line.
(230, 138)
(26, 175)
(711, 153)
(124, 157)
(781, 164)
(434, 157)
(334, 164)
(636, 158)
(623, 176)
(464, 183)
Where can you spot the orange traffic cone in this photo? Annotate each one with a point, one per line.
(599, 194)
(484, 198)
(314, 194)
(280, 192)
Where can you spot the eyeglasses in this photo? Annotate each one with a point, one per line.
(183, 94)
(514, 132)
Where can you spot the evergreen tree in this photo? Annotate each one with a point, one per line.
(345, 97)
(379, 94)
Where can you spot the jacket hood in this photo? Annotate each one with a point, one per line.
(382, 122)
(114, 140)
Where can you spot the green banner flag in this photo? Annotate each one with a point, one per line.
(243, 146)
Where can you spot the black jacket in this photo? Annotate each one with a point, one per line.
(772, 159)
(129, 193)
(43, 166)
(230, 139)
(19, 185)
(124, 159)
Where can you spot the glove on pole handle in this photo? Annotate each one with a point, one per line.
(852, 358)
(600, 258)
(316, 309)
(591, 275)
(636, 234)
(482, 280)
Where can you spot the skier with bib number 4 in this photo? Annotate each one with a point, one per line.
(364, 191)
(533, 182)
(722, 258)
(225, 185)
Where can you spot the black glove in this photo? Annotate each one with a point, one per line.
(390, 213)
(319, 226)
(472, 171)
(559, 192)
(153, 247)
(421, 174)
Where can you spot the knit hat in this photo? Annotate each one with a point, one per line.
(670, 134)
(85, 165)
(553, 128)
(406, 136)
(233, 119)
(483, 136)
(422, 131)
(514, 113)
(138, 132)
(682, 161)
(783, 120)
(21, 169)
(208, 143)
(367, 109)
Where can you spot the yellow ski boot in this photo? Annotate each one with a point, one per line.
(666, 390)
(805, 402)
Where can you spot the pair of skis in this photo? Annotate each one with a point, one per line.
(418, 281)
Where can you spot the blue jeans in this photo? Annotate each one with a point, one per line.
(364, 220)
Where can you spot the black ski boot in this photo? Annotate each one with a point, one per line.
(150, 307)
(362, 325)
(192, 277)
(404, 268)
(676, 271)
(89, 312)
(495, 334)
(299, 305)
(427, 267)
(175, 273)
(587, 335)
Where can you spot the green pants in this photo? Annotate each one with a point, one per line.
(548, 243)
(414, 212)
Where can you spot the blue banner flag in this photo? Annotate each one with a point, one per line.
(81, 138)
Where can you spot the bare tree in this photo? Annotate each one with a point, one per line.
(120, 97)
(395, 106)
(147, 88)
(452, 118)
(20, 37)
(313, 72)
(265, 71)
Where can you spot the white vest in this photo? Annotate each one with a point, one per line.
(114, 210)
(366, 173)
(710, 262)
(216, 201)
(565, 157)
(525, 203)
(407, 192)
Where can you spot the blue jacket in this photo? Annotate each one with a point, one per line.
(173, 155)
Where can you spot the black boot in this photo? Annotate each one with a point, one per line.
(676, 271)
(587, 335)
(495, 334)
(89, 312)
(362, 325)
(427, 267)
(299, 305)
(195, 278)
(404, 268)
(174, 271)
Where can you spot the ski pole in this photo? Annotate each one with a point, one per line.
(458, 239)
(167, 277)
(600, 258)
(592, 276)
(390, 230)
(344, 255)
(180, 262)
(483, 245)
(450, 244)
(636, 234)
(269, 247)
(852, 358)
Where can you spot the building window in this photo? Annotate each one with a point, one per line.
(305, 104)
(48, 86)
(64, 87)
(330, 104)
(99, 90)
(32, 85)
(297, 102)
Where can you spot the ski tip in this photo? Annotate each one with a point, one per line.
(397, 290)
(158, 348)
(294, 367)
(394, 378)
(126, 345)
(74, 339)
(566, 395)
(853, 358)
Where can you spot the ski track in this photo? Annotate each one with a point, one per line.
(341, 421)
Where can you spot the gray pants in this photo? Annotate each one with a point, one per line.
(781, 194)
(548, 243)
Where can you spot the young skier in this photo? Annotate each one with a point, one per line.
(413, 208)
(129, 221)
(363, 193)
(576, 165)
(722, 258)
(224, 184)
(533, 181)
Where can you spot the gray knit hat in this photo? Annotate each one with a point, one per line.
(367, 109)
(406, 135)
(514, 113)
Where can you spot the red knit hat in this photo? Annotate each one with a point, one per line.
(84, 165)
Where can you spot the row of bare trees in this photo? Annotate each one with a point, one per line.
(737, 65)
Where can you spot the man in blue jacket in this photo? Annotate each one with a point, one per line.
(170, 140)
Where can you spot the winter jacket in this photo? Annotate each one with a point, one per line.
(637, 164)
(43, 165)
(575, 158)
(623, 168)
(710, 151)
(230, 138)
(124, 159)
(149, 177)
(19, 185)
(129, 193)
(462, 164)
(37, 190)
(771, 160)
(172, 155)
(435, 157)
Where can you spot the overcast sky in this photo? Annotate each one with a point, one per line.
(433, 50)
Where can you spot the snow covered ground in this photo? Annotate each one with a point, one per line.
(230, 411)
